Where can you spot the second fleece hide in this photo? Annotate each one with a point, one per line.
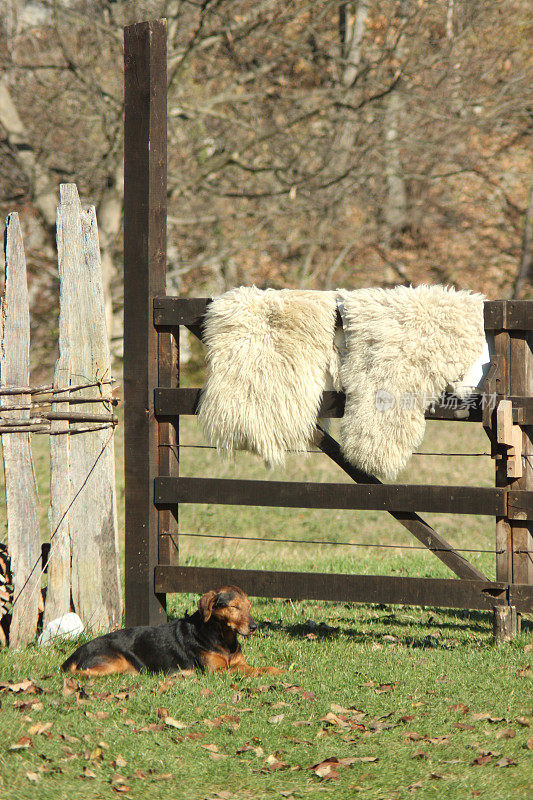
(403, 347)
(269, 354)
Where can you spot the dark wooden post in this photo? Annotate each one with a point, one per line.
(145, 187)
(521, 378)
(514, 539)
(498, 383)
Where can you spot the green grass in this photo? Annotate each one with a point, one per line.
(413, 674)
(439, 667)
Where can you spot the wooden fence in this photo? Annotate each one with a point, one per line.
(82, 558)
(154, 402)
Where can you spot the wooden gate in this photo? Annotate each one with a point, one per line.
(154, 403)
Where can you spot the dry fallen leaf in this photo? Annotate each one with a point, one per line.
(39, 727)
(276, 719)
(28, 705)
(480, 760)
(212, 747)
(23, 743)
(333, 719)
(274, 764)
(414, 736)
(326, 769)
(231, 720)
(507, 733)
(24, 686)
(174, 723)
(459, 707)
(385, 687)
(505, 762)
(88, 773)
(524, 721)
(96, 755)
(32, 776)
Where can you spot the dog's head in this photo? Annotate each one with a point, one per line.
(230, 606)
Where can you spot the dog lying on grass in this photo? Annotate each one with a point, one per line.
(206, 640)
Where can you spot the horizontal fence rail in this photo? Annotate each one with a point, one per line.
(170, 403)
(439, 592)
(343, 496)
(189, 311)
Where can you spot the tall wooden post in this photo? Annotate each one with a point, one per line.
(514, 537)
(521, 379)
(145, 187)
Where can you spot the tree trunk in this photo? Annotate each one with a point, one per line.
(525, 273)
(396, 202)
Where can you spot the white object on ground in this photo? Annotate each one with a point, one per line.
(68, 626)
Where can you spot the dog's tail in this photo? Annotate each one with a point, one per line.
(71, 664)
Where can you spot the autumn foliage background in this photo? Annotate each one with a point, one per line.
(315, 144)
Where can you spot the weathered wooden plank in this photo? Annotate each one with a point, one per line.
(497, 384)
(169, 403)
(91, 508)
(521, 382)
(23, 537)
(171, 311)
(415, 524)
(168, 375)
(288, 494)
(145, 184)
(58, 592)
(435, 592)
(508, 315)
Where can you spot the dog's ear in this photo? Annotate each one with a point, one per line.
(206, 603)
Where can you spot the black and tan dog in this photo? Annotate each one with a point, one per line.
(206, 640)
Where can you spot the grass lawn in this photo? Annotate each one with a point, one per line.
(420, 702)
(410, 701)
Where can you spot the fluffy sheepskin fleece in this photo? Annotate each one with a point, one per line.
(404, 346)
(269, 354)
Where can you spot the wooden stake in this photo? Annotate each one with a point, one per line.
(23, 537)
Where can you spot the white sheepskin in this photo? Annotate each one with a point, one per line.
(404, 346)
(269, 354)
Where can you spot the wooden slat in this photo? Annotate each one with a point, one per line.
(433, 592)
(414, 524)
(23, 536)
(508, 315)
(288, 494)
(497, 384)
(170, 403)
(521, 507)
(171, 311)
(83, 472)
(521, 377)
(145, 187)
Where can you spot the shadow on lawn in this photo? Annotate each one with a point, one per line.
(408, 632)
